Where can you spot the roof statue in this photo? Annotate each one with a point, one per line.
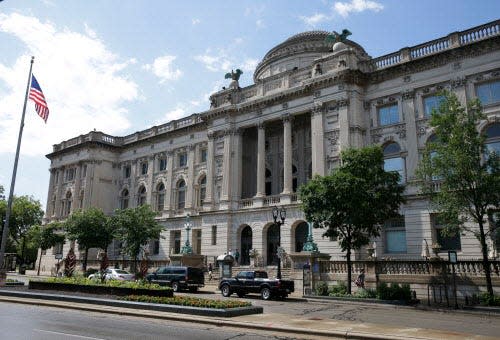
(336, 37)
(235, 76)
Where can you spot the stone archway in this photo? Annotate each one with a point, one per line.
(301, 232)
(246, 245)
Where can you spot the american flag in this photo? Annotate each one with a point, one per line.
(37, 96)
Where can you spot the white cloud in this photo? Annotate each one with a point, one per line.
(260, 23)
(356, 6)
(314, 19)
(179, 112)
(163, 69)
(220, 61)
(79, 76)
(195, 21)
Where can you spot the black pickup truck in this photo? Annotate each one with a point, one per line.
(254, 281)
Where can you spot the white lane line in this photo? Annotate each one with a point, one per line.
(68, 334)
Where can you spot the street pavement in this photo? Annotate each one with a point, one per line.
(320, 319)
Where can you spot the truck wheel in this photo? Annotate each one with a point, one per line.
(175, 286)
(226, 292)
(265, 293)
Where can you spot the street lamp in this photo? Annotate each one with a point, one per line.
(281, 213)
(187, 249)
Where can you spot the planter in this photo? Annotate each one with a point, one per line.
(105, 290)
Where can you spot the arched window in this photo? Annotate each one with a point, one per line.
(141, 198)
(493, 139)
(202, 190)
(124, 199)
(181, 194)
(393, 160)
(69, 198)
(160, 197)
(301, 232)
(246, 245)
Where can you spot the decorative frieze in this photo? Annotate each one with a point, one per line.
(458, 82)
(408, 94)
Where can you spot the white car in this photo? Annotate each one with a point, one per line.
(114, 274)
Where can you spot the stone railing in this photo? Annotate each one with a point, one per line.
(436, 46)
(245, 203)
(270, 200)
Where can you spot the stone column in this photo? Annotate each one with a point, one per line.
(261, 161)
(287, 155)
(168, 185)
(151, 190)
(237, 166)
(344, 123)
(317, 140)
(226, 179)
(409, 133)
(210, 171)
(190, 177)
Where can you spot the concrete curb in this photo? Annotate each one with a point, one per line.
(139, 305)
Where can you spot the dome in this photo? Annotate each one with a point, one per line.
(297, 51)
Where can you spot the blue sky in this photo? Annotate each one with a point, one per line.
(123, 66)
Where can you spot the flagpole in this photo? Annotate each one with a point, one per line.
(5, 233)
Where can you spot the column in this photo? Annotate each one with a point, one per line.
(261, 160)
(317, 141)
(226, 179)
(78, 182)
(410, 133)
(236, 168)
(287, 155)
(168, 185)
(190, 177)
(210, 170)
(344, 123)
(151, 190)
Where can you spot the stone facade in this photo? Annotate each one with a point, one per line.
(228, 166)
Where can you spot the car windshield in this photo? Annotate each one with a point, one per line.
(119, 271)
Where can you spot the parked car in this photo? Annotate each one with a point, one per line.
(178, 277)
(114, 274)
(256, 281)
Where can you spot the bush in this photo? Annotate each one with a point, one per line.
(188, 301)
(340, 289)
(366, 293)
(394, 292)
(489, 300)
(109, 283)
(322, 288)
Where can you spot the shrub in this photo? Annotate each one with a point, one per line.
(489, 300)
(394, 292)
(340, 289)
(188, 301)
(322, 288)
(366, 293)
(110, 283)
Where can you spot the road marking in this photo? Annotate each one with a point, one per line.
(68, 334)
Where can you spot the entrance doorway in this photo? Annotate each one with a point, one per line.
(272, 244)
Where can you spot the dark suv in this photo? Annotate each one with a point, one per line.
(178, 278)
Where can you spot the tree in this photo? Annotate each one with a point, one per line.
(91, 229)
(469, 174)
(135, 227)
(46, 237)
(26, 213)
(354, 200)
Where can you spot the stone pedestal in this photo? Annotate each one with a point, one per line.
(304, 258)
(189, 260)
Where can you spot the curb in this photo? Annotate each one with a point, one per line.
(139, 305)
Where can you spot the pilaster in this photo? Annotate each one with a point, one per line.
(287, 155)
(168, 187)
(210, 171)
(317, 140)
(408, 107)
(190, 177)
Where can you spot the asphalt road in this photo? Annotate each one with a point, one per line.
(39, 323)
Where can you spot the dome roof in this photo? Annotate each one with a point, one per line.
(311, 42)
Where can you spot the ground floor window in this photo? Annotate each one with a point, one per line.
(446, 241)
(395, 236)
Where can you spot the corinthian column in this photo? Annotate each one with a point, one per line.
(287, 155)
(261, 161)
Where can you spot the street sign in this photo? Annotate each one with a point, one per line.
(452, 256)
(59, 256)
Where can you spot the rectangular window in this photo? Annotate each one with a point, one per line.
(447, 242)
(84, 172)
(203, 155)
(154, 247)
(57, 249)
(395, 236)
(489, 93)
(396, 165)
(432, 103)
(70, 174)
(214, 235)
(144, 168)
(177, 241)
(197, 236)
(388, 115)
(126, 171)
(494, 221)
(182, 159)
(163, 164)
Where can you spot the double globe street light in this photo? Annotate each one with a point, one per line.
(281, 213)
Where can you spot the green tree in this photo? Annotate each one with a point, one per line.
(45, 237)
(91, 229)
(135, 227)
(469, 175)
(354, 200)
(26, 213)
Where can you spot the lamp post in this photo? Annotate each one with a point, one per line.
(187, 249)
(281, 213)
